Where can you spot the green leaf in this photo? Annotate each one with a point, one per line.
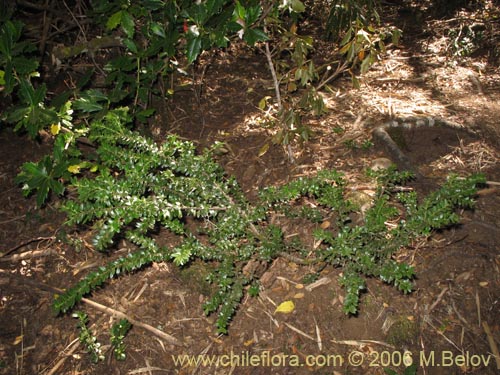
(129, 43)
(153, 4)
(143, 115)
(252, 36)
(87, 105)
(252, 14)
(239, 11)
(24, 66)
(38, 177)
(297, 6)
(89, 101)
(355, 82)
(27, 92)
(9, 35)
(157, 29)
(114, 20)
(366, 64)
(193, 48)
(9, 78)
(127, 23)
(396, 36)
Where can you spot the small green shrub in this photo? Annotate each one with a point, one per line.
(118, 332)
(142, 186)
(87, 338)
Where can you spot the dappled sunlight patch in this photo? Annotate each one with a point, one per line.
(475, 156)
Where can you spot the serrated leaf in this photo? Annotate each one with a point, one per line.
(74, 169)
(253, 14)
(114, 20)
(127, 23)
(27, 92)
(251, 36)
(85, 105)
(285, 307)
(239, 11)
(24, 66)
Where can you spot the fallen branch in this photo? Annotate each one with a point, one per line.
(11, 250)
(107, 310)
(28, 255)
(118, 314)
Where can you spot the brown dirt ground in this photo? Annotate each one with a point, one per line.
(457, 288)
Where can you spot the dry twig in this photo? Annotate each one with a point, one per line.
(25, 243)
(107, 310)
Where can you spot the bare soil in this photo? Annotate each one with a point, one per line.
(456, 296)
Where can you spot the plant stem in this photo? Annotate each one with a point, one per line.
(273, 73)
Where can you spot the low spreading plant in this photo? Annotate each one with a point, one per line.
(94, 348)
(129, 187)
(142, 187)
(118, 332)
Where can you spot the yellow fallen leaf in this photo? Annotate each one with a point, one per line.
(285, 307)
(55, 129)
(75, 169)
(263, 149)
(298, 296)
(291, 87)
(299, 286)
(18, 339)
(325, 224)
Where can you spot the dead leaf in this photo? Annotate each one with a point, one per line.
(18, 339)
(325, 224)
(285, 307)
(263, 149)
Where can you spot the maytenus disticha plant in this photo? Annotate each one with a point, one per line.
(142, 186)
